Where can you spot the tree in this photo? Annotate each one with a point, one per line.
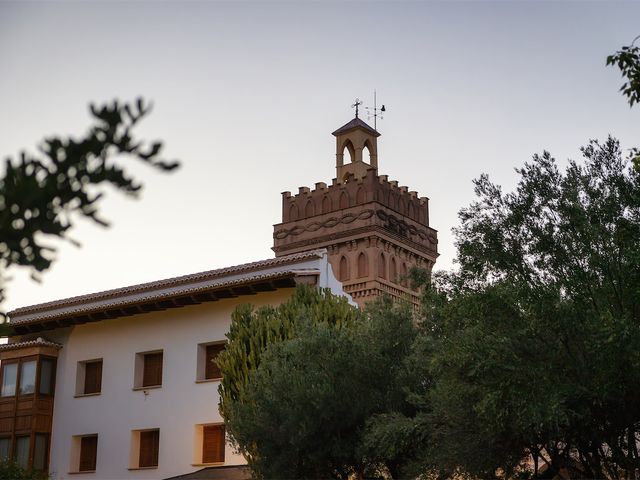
(40, 196)
(313, 406)
(253, 331)
(538, 333)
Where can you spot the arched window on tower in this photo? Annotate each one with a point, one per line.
(348, 146)
(309, 209)
(360, 196)
(363, 265)
(343, 272)
(382, 266)
(403, 275)
(366, 154)
(326, 204)
(293, 212)
(393, 275)
(344, 200)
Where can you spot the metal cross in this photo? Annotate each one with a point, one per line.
(358, 103)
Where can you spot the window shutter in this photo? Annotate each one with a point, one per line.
(211, 367)
(88, 451)
(213, 444)
(149, 446)
(152, 374)
(93, 377)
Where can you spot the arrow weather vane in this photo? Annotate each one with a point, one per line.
(375, 112)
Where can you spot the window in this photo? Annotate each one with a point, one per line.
(92, 377)
(343, 269)
(148, 369)
(88, 453)
(363, 265)
(152, 374)
(47, 370)
(22, 450)
(40, 451)
(149, 441)
(211, 369)
(213, 443)
(27, 377)
(9, 378)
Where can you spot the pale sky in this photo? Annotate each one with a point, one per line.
(247, 94)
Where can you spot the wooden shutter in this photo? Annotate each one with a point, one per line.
(213, 444)
(88, 452)
(149, 446)
(211, 367)
(92, 377)
(152, 374)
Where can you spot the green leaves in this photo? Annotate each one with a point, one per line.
(538, 333)
(41, 196)
(627, 59)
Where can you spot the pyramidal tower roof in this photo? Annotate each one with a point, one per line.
(353, 124)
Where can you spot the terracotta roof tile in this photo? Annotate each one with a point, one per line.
(169, 282)
(38, 342)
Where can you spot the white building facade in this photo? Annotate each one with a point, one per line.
(134, 396)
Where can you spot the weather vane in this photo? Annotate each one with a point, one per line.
(356, 105)
(373, 112)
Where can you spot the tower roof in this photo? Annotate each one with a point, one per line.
(353, 124)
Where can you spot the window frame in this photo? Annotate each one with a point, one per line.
(81, 377)
(139, 368)
(201, 370)
(224, 443)
(36, 390)
(136, 449)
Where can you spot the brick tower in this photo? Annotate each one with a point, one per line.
(373, 229)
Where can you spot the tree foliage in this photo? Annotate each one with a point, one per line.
(309, 406)
(13, 471)
(253, 330)
(41, 196)
(539, 331)
(627, 59)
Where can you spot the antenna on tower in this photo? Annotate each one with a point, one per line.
(373, 112)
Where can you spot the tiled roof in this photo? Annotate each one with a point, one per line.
(38, 342)
(355, 123)
(169, 282)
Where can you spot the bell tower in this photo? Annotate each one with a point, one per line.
(373, 229)
(355, 137)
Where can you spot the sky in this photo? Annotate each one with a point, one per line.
(246, 95)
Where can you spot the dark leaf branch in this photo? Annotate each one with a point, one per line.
(40, 196)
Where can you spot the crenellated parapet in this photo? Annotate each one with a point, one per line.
(338, 196)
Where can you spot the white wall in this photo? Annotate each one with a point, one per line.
(176, 408)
